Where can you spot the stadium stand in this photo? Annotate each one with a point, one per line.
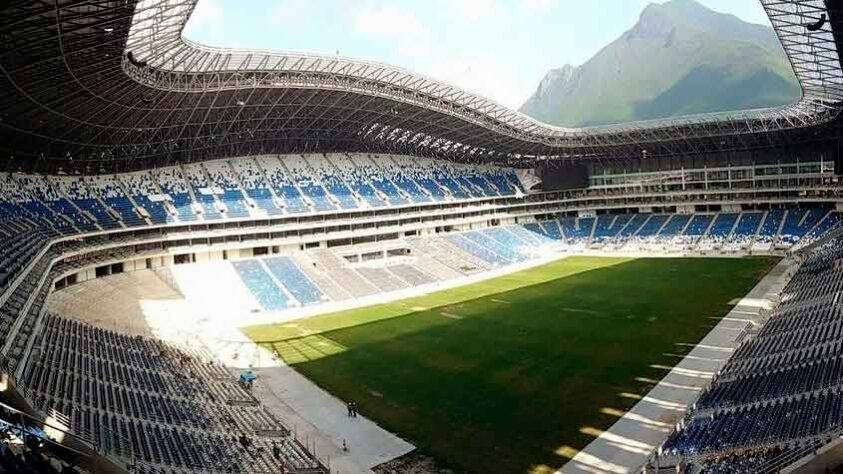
(338, 271)
(798, 223)
(110, 194)
(577, 231)
(145, 195)
(170, 424)
(289, 275)
(270, 296)
(333, 183)
(308, 183)
(357, 181)
(201, 191)
(383, 186)
(320, 275)
(441, 251)
(172, 183)
(232, 197)
(719, 231)
(254, 186)
(127, 148)
(412, 275)
(422, 174)
(632, 228)
(382, 279)
(477, 249)
(82, 197)
(609, 226)
(408, 182)
(831, 222)
(326, 284)
(209, 190)
(747, 228)
(176, 408)
(552, 229)
(727, 232)
(652, 227)
(282, 184)
(770, 228)
(697, 227)
(780, 390)
(674, 226)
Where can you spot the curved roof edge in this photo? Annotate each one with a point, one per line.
(163, 59)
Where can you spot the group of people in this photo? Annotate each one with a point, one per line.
(352, 409)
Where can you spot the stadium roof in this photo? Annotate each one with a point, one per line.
(102, 85)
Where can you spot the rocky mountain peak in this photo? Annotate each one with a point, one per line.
(679, 58)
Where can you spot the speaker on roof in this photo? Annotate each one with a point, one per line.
(816, 26)
(131, 57)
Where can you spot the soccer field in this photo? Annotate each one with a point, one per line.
(517, 373)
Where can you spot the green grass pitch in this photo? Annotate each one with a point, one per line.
(517, 373)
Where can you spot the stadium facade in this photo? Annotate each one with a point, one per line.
(127, 147)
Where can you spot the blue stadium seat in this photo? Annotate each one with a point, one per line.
(261, 285)
(291, 276)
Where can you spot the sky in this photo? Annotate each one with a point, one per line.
(500, 49)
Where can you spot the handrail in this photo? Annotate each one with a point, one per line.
(786, 459)
(26, 419)
(119, 452)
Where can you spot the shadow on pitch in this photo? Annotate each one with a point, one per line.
(523, 383)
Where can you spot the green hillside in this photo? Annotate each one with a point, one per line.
(680, 58)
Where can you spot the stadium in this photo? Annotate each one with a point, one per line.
(222, 260)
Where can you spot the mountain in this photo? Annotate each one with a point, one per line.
(680, 58)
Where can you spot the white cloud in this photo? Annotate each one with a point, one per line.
(426, 49)
(292, 13)
(472, 11)
(537, 6)
(411, 35)
(487, 77)
(418, 38)
(207, 19)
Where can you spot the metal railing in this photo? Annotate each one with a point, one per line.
(104, 441)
